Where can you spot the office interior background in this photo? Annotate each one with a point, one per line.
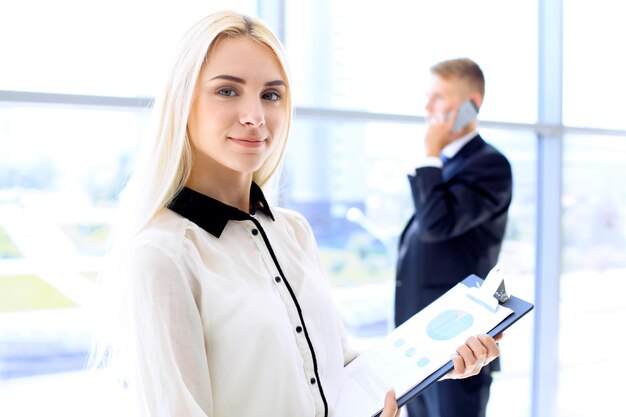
(76, 82)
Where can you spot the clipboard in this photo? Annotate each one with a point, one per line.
(412, 357)
(519, 307)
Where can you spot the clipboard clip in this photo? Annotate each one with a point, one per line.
(491, 291)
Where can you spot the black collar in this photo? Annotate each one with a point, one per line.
(211, 214)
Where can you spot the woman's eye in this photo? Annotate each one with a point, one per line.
(226, 92)
(271, 96)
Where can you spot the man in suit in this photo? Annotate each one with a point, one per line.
(458, 225)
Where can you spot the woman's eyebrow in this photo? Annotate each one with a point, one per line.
(242, 81)
(229, 78)
(275, 83)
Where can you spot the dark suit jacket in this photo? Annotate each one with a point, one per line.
(457, 228)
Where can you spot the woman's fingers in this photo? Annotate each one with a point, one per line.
(490, 343)
(470, 358)
(391, 405)
(473, 357)
(459, 367)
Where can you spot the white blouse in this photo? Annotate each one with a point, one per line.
(230, 314)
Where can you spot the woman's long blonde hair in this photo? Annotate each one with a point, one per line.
(164, 161)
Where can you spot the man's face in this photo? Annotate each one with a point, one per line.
(443, 95)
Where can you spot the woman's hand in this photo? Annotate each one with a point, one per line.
(469, 358)
(391, 406)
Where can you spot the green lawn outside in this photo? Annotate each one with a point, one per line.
(28, 292)
(90, 239)
(7, 248)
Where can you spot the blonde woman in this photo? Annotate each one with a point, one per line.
(225, 310)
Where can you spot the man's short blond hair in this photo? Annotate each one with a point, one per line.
(464, 69)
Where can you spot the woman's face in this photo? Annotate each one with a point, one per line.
(238, 109)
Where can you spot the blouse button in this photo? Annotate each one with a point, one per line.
(255, 232)
(277, 279)
(312, 381)
(298, 329)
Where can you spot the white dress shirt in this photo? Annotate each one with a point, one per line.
(230, 314)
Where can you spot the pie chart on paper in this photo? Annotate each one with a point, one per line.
(449, 324)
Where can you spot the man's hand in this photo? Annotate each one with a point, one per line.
(439, 133)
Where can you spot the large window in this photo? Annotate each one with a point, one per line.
(593, 208)
(113, 48)
(592, 68)
(594, 264)
(348, 54)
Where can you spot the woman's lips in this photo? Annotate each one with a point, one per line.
(249, 142)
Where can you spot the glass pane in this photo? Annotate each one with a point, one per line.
(348, 54)
(349, 181)
(113, 48)
(60, 172)
(513, 384)
(593, 89)
(592, 282)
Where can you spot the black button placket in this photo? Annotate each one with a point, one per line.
(300, 329)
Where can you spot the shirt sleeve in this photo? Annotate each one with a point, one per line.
(349, 352)
(309, 244)
(165, 346)
(429, 161)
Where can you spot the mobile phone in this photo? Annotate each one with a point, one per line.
(467, 113)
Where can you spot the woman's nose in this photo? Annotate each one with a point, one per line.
(252, 113)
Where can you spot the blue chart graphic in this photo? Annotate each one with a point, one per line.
(449, 324)
(410, 352)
